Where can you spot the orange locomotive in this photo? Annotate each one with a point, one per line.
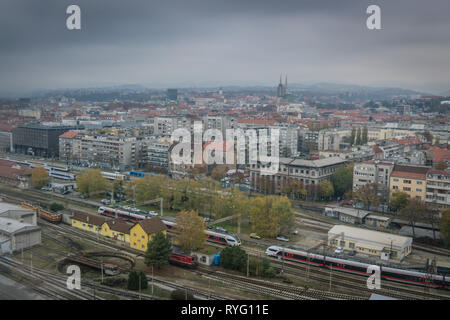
(46, 215)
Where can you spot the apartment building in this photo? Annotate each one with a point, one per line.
(116, 152)
(155, 152)
(165, 125)
(438, 188)
(373, 172)
(308, 172)
(409, 179)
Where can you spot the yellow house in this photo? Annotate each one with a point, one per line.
(141, 233)
(87, 222)
(116, 229)
(410, 180)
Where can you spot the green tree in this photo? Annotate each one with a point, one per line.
(270, 215)
(39, 177)
(133, 280)
(234, 258)
(398, 201)
(368, 194)
(365, 138)
(326, 189)
(445, 225)
(414, 212)
(358, 137)
(158, 251)
(91, 181)
(190, 231)
(56, 207)
(353, 137)
(262, 219)
(282, 209)
(143, 278)
(342, 180)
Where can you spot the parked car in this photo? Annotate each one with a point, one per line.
(46, 188)
(220, 229)
(105, 201)
(254, 236)
(282, 238)
(339, 250)
(349, 202)
(295, 232)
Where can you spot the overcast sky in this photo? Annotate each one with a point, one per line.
(185, 42)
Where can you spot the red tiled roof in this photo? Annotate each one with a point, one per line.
(153, 225)
(6, 163)
(89, 218)
(257, 121)
(69, 134)
(446, 173)
(11, 173)
(415, 172)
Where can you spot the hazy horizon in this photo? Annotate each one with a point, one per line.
(242, 43)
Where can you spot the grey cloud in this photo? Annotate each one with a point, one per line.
(174, 41)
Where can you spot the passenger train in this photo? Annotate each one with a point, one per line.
(215, 237)
(55, 172)
(113, 175)
(129, 216)
(392, 274)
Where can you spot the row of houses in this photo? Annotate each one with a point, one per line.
(419, 182)
(137, 235)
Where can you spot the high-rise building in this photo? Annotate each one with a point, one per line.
(172, 94)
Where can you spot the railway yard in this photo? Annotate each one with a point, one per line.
(42, 268)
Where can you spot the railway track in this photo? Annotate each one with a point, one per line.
(60, 280)
(54, 288)
(398, 292)
(275, 289)
(356, 282)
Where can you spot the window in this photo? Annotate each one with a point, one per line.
(351, 245)
(342, 243)
(395, 180)
(419, 182)
(406, 189)
(419, 190)
(407, 181)
(395, 187)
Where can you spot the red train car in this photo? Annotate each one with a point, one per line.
(183, 259)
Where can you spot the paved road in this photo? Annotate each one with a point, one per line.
(12, 290)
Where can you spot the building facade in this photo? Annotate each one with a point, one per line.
(38, 139)
(438, 188)
(409, 179)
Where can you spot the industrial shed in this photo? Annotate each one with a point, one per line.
(384, 245)
(15, 235)
(18, 213)
(349, 215)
